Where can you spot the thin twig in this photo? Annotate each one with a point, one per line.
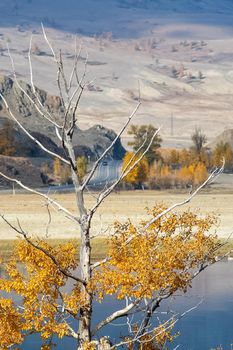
(49, 118)
(29, 134)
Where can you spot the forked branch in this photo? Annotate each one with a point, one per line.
(111, 188)
(89, 177)
(39, 107)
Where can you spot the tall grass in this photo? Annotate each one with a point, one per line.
(99, 250)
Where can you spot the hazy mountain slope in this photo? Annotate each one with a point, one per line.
(151, 40)
(123, 17)
(226, 137)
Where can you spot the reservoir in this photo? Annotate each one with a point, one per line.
(205, 328)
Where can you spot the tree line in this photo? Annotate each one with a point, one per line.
(168, 168)
(161, 168)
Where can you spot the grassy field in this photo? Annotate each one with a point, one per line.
(33, 216)
(99, 249)
(32, 212)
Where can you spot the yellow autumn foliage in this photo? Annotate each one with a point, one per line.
(139, 173)
(57, 167)
(142, 263)
(10, 324)
(193, 174)
(39, 289)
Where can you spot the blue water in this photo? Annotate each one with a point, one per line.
(211, 324)
(208, 326)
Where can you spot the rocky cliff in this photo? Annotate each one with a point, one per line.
(91, 142)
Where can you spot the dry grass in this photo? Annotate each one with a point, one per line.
(227, 248)
(33, 215)
(99, 248)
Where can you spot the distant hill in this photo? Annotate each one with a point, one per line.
(226, 136)
(180, 5)
(90, 17)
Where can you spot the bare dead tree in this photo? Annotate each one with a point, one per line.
(71, 89)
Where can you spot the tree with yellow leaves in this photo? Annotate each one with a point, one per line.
(186, 175)
(200, 174)
(142, 135)
(57, 168)
(140, 171)
(82, 167)
(194, 174)
(223, 151)
(7, 139)
(145, 263)
(160, 176)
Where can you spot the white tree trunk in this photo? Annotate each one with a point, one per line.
(85, 262)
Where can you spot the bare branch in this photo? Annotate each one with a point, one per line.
(60, 72)
(72, 332)
(48, 199)
(99, 263)
(210, 178)
(30, 135)
(169, 324)
(129, 169)
(47, 41)
(109, 190)
(79, 82)
(49, 118)
(76, 58)
(39, 109)
(89, 177)
(61, 66)
(46, 252)
(130, 162)
(49, 220)
(115, 315)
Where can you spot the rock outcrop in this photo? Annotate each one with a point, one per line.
(91, 142)
(21, 169)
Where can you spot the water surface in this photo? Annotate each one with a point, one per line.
(208, 326)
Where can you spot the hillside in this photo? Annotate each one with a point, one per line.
(226, 137)
(91, 142)
(91, 17)
(21, 169)
(180, 51)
